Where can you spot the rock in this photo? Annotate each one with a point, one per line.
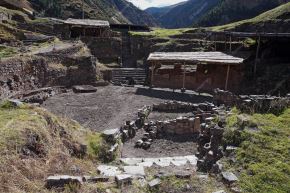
(229, 177)
(106, 170)
(134, 170)
(111, 134)
(197, 124)
(183, 175)
(146, 145)
(84, 89)
(139, 143)
(220, 191)
(243, 121)
(15, 102)
(154, 183)
(236, 190)
(123, 180)
(229, 150)
(63, 180)
(101, 83)
(95, 179)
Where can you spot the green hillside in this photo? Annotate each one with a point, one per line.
(275, 20)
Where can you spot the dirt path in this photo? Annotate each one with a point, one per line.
(110, 106)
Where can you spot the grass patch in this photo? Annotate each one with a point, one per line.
(161, 33)
(7, 51)
(264, 154)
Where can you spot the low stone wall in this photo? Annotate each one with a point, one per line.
(107, 50)
(176, 106)
(252, 103)
(179, 126)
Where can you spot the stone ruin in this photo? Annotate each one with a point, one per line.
(179, 126)
(209, 147)
(252, 103)
(175, 106)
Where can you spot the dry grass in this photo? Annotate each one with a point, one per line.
(33, 145)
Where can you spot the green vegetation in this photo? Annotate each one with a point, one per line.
(7, 51)
(232, 11)
(161, 33)
(280, 13)
(264, 153)
(194, 184)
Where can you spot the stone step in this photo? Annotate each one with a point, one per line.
(162, 161)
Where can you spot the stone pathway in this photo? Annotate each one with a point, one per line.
(162, 161)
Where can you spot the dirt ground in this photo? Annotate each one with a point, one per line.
(166, 146)
(111, 106)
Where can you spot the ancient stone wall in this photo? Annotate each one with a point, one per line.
(25, 73)
(107, 50)
(206, 78)
(28, 73)
(179, 126)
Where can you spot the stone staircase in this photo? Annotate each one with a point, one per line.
(120, 75)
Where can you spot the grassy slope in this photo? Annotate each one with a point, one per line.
(228, 11)
(269, 16)
(161, 32)
(264, 156)
(34, 144)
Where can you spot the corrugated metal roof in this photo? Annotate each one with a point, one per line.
(87, 22)
(195, 57)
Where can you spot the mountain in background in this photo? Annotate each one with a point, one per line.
(158, 12)
(210, 12)
(115, 11)
(228, 11)
(275, 20)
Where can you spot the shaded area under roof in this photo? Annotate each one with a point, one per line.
(87, 22)
(195, 57)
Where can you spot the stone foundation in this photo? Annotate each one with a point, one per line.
(252, 103)
(179, 126)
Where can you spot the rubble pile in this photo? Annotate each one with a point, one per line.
(209, 147)
(252, 103)
(262, 104)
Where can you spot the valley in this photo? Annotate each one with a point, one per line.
(100, 96)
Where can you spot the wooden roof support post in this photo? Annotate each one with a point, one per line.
(183, 82)
(230, 43)
(227, 78)
(152, 73)
(257, 56)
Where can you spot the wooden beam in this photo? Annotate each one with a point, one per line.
(152, 73)
(257, 56)
(230, 43)
(184, 71)
(227, 78)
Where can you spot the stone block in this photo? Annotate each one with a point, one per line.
(84, 89)
(197, 125)
(95, 179)
(123, 180)
(154, 183)
(106, 170)
(62, 180)
(134, 170)
(229, 177)
(111, 134)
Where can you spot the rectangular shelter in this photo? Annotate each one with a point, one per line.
(202, 71)
(86, 27)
